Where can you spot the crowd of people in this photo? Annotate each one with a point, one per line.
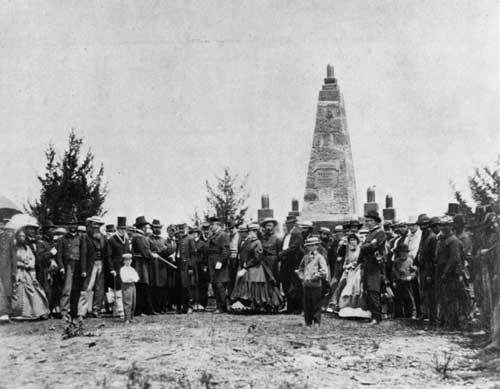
(428, 269)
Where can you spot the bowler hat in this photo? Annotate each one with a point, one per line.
(373, 215)
(140, 221)
(354, 223)
(156, 223)
(312, 241)
(213, 219)
(110, 228)
(121, 222)
(423, 219)
(269, 220)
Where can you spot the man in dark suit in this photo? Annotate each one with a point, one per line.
(218, 262)
(143, 257)
(372, 262)
(118, 244)
(290, 255)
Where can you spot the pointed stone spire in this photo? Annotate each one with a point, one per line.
(330, 193)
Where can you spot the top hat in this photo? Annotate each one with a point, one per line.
(269, 220)
(453, 209)
(156, 223)
(140, 221)
(121, 222)
(373, 215)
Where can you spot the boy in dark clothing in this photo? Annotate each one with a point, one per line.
(403, 272)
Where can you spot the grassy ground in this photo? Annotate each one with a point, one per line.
(213, 350)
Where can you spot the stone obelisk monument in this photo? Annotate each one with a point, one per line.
(330, 195)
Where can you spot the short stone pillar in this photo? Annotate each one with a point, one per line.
(371, 204)
(265, 211)
(389, 212)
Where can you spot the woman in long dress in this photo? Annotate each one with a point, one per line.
(255, 288)
(28, 298)
(348, 297)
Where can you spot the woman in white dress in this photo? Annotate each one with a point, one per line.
(348, 297)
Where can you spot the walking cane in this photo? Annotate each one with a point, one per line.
(115, 305)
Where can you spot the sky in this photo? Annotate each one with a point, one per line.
(169, 93)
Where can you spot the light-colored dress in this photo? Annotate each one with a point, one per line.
(350, 289)
(29, 300)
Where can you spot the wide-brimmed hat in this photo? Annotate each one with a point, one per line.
(194, 229)
(121, 222)
(312, 241)
(140, 221)
(305, 224)
(423, 219)
(446, 220)
(253, 227)
(269, 220)
(373, 215)
(326, 230)
(95, 220)
(156, 224)
(434, 221)
(59, 231)
(354, 223)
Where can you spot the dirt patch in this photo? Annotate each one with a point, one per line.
(211, 350)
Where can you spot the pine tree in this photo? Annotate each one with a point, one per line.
(228, 197)
(485, 188)
(71, 189)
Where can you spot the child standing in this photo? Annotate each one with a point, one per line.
(129, 277)
(312, 270)
(403, 273)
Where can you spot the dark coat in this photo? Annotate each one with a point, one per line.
(426, 258)
(449, 257)
(64, 246)
(143, 256)
(291, 257)
(218, 251)
(41, 249)
(90, 250)
(116, 248)
(160, 268)
(183, 258)
(251, 253)
(372, 268)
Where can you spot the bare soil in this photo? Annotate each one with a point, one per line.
(233, 351)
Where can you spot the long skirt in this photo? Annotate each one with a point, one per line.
(28, 300)
(254, 291)
(351, 299)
